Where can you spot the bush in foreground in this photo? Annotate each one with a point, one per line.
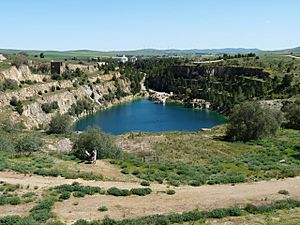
(250, 121)
(60, 124)
(28, 144)
(95, 139)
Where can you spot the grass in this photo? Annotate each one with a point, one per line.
(204, 158)
(41, 165)
(10, 196)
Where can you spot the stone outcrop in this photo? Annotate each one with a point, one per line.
(84, 68)
(33, 115)
(20, 74)
(31, 92)
(64, 92)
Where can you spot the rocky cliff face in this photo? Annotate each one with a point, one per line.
(63, 92)
(20, 74)
(33, 115)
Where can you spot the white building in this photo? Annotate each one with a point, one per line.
(125, 59)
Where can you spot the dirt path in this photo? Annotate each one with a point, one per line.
(292, 56)
(186, 197)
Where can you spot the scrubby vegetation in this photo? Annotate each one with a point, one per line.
(80, 107)
(50, 107)
(192, 216)
(250, 121)
(124, 192)
(205, 158)
(60, 124)
(95, 139)
(64, 191)
(292, 112)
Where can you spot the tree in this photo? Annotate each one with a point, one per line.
(42, 55)
(19, 107)
(60, 124)
(28, 144)
(292, 115)
(13, 101)
(95, 139)
(250, 121)
(6, 143)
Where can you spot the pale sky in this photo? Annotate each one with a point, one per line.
(137, 24)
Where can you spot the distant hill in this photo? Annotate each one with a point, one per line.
(288, 51)
(147, 52)
(140, 52)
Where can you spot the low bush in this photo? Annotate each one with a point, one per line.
(250, 121)
(77, 189)
(140, 191)
(60, 124)
(10, 220)
(65, 195)
(95, 139)
(283, 192)
(13, 101)
(28, 144)
(118, 192)
(145, 183)
(42, 211)
(170, 192)
(50, 107)
(102, 209)
(9, 200)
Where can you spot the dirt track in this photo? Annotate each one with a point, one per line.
(186, 197)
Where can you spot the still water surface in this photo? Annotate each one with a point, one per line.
(144, 115)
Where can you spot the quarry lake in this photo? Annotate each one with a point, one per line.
(145, 115)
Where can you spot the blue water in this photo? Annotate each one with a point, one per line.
(144, 115)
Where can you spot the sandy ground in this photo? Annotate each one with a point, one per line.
(186, 197)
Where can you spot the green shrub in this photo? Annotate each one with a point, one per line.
(140, 191)
(218, 213)
(118, 192)
(170, 192)
(250, 121)
(29, 195)
(292, 112)
(77, 189)
(49, 107)
(19, 107)
(6, 143)
(42, 211)
(78, 194)
(145, 183)
(80, 106)
(283, 192)
(102, 208)
(60, 124)
(234, 211)
(10, 84)
(28, 144)
(10, 220)
(9, 200)
(125, 171)
(65, 195)
(81, 222)
(250, 208)
(95, 139)
(13, 101)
